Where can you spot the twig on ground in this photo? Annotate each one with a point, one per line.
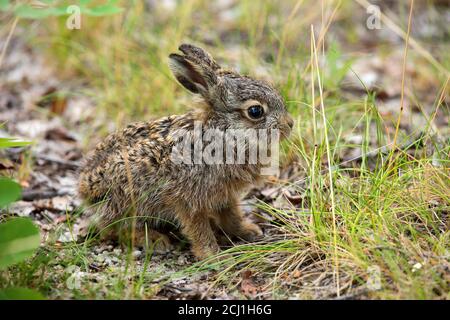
(8, 39)
(31, 195)
(66, 163)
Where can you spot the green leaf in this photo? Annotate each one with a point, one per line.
(59, 11)
(28, 12)
(20, 294)
(102, 10)
(12, 142)
(10, 191)
(4, 5)
(19, 239)
(49, 2)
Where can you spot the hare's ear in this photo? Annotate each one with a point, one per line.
(195, 76)
(198, 54)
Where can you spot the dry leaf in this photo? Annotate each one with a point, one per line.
(248, 286)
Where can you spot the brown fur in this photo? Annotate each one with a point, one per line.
(130, 173)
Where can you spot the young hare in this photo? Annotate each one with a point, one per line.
(132, 172)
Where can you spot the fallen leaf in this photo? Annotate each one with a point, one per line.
(6, 164)
(59, 133)
(270, 193)
(292, 196)
(248, 286)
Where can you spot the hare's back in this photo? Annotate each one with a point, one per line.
(139, 149)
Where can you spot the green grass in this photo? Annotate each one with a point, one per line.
(387, 209)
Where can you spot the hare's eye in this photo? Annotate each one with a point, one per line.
(255, 112)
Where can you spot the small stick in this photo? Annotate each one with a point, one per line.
(65, 163)
(31, 195)
(8, 39)
(405, 55)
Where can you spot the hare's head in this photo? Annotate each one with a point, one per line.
(236, 101)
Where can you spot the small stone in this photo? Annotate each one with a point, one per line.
(98, 250)
(67, 237)
(182, 260)
(417, 267)
(100, 258)
(137, 253)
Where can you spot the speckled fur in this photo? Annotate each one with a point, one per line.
(131, 172)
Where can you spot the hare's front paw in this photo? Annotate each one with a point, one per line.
(202, 252)
(250, 231)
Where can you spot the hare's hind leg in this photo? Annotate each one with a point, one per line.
(149, 238)
(111, 224)
(233, 223)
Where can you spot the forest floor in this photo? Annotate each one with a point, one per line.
(386, 218)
